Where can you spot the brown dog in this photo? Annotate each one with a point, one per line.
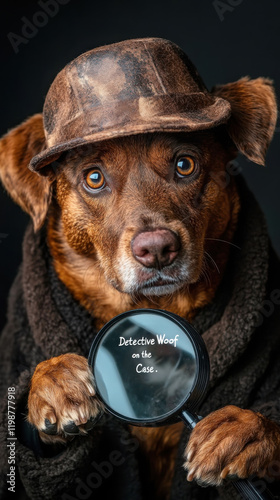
(135, 222)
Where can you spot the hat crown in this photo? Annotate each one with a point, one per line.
(120, 72)
(131, 87)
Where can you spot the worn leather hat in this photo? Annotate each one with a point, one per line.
(130, 87)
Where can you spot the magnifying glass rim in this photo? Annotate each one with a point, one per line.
(198, 389)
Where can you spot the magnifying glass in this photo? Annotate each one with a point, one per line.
(151, 368)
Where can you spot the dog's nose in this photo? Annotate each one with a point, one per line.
(156, 248)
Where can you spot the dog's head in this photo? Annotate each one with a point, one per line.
(142, 208)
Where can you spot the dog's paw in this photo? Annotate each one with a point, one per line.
(61, 401)
(231, 442)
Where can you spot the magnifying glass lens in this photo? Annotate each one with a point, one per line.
(144, 367)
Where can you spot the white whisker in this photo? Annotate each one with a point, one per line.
(224, 241)
(215, 264)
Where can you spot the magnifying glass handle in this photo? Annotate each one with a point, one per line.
(248, 490)
(245, 487)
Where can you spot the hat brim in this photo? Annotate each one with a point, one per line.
(202, 119)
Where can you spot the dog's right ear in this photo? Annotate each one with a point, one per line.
(29, 189)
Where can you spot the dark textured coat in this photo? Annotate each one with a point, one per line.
(241, 328)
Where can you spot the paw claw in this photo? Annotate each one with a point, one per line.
(71, 428)
(92, 421)
(191, 475)
(225, 472)
(91, 390)
(190, 455)
(83, 418)
(50, 428)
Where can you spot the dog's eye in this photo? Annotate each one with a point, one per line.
(185, 166)
(95, 179)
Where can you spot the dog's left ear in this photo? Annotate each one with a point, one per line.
(29, 189)
(254, 114)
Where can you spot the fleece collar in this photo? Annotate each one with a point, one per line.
(230, 321)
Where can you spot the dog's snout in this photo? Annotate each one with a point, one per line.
(156, 248)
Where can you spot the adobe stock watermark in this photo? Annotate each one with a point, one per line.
(273, 473)
(277, 128)
(3, 236)
(261, 484)
(267, 307)
(11, 439)
(223, 6)
(30, 28)
(221, 178)
(101, 471)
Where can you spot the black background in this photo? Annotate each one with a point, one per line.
(245, 42)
